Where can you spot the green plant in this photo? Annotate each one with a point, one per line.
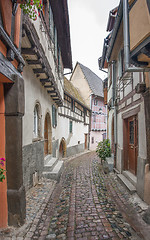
(32, 7)
(2, 176)
(103, 149)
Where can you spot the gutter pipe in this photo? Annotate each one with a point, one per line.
(123, 11)
(127, 41)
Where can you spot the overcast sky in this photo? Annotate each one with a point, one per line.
(88, 22)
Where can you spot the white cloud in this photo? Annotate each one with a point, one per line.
(88, 21)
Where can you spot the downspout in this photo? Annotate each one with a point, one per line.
(126, 33)
(115, 110)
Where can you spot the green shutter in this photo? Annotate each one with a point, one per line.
(53, 115)
(70, 126)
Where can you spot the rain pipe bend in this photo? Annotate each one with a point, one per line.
(127, 41)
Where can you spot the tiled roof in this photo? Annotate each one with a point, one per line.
(71, 90)
(95, 83)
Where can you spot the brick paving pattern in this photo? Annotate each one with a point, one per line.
(85, 204)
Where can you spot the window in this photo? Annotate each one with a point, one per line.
(95, 102)
(51, 20)
(92, 140)
(54, 116)
(70, 127)
(94, 118)
(36, 129)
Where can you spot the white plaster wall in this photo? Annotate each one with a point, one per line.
(120, 130)
(109, 124)
(78, 131)
(98, 137)
(142, 133)
(34, 91)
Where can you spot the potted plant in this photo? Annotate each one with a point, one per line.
(31, 7)
(103, 151)
(2, 176)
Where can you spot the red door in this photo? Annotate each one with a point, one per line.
(132, 144)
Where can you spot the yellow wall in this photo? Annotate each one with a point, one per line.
(79, 81)
(139, 18)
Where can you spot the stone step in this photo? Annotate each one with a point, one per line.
(132, 178)
(110, 162)
(55, 172)
(127, 183)
(50, 164)
(47, 158)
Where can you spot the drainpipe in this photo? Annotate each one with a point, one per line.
(115, 110)
(127, 41)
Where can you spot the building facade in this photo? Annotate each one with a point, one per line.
(12, 192)
(29, 102)
(46, 50)
(74, 119)
(126, 50)
(90, 86)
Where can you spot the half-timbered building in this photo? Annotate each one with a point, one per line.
(90, 86)
(126, 50)
(74, 117)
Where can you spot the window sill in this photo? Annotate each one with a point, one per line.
(37, 139)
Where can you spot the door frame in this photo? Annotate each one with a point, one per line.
(125, 117)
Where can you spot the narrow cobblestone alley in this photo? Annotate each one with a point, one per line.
(85, 204)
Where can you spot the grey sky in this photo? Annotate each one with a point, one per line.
(88, 21)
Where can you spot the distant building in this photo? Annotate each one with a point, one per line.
(74, 121)
(90, 86)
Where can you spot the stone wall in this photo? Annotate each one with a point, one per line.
(33, 161)
(74, 150)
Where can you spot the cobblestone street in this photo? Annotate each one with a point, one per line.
(85, 204)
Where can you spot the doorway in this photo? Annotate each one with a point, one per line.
(62, 148)
(85, 145)
(47, 135)
(131, 144)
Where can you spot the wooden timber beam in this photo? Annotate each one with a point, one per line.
(28, 51)
(34, 62)
(39, 70)
(48, 86)
(51, 91)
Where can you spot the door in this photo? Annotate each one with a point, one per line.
(46, 137)
(85, 141)
(132, 144)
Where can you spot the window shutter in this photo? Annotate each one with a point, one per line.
(70, 126)
(53, 115)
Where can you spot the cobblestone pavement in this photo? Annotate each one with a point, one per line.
(85, 204)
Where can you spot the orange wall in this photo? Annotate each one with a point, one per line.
(6, 10)
(17, 27)
(3, 185)
(139, 23)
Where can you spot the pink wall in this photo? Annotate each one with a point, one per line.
(98, 121)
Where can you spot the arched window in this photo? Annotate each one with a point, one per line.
(37, 117)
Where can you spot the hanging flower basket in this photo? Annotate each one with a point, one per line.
(31, 7)
(21, 1)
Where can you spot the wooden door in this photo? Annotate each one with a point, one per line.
(132, 144)
(46, 136)
(85, 141)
